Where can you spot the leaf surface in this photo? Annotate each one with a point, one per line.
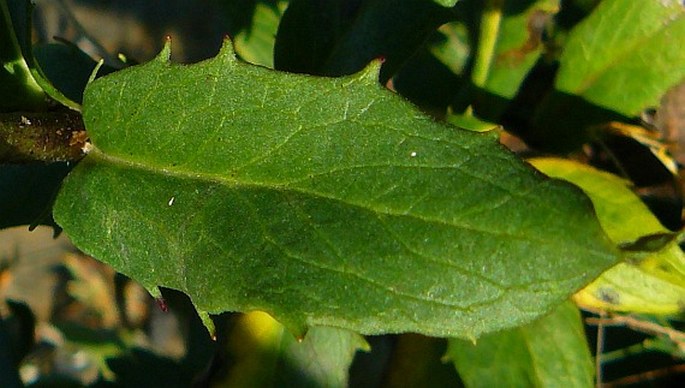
(323, 201)
(550, 352)
(654, 283)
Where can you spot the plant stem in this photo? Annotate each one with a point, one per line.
(487, 41)
(41, 136)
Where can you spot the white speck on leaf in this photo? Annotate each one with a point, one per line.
(413, 154)
(171, 201)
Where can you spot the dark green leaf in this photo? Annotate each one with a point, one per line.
(549, 352)
(66, 66)
(27, 192)
(340, 37)
(418, 361)
(321, 201)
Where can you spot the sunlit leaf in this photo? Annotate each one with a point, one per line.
(623, 56)
(652, 284)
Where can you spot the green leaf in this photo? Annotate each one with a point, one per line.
(27, 192)
(264, 354)
(322, 201)
(432, 76)
(551, 352)
(652, 284)
(340, 37)
(66, 66)
(618, 41)
(617, 62)
(256, 43)
(446, 3)
(509, 44)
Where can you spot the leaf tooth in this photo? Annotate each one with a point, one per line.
(154, 291)
(227, 52)
(371, 72)
(207, 322)
(164, 56)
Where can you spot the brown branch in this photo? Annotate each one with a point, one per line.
(642, 326)
(41, 136)
(646, 376)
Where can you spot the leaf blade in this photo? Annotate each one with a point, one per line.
(394, 220)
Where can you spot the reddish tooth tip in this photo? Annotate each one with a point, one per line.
(162, 304)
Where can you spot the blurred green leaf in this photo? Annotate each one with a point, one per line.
(624, 56)
(322, 201)
(468, 121)
(21, 63)
(432, 76)
(18, 89)
(653, 284)
(446, 3)
(452, 47)
(142, 368)
(615, 63)
(340, 37)
(417, 361)
(265, 354)
(550, 352)
(256, 43)
(66, 66)
(27, 192)
(510, 42)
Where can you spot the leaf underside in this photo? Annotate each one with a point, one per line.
(322, 201)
